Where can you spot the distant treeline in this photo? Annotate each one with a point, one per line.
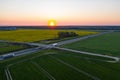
(8, 28)
(65, 27)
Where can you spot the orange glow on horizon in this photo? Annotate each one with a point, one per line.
(60, 22)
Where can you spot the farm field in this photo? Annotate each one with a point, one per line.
(10, 47)
(108, 44)
(60, 65)
(28, 35)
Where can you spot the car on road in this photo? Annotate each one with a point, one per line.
(55, 44)
(8, 56)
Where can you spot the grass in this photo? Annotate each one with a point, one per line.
(93, 67)
(59, 71)
(9, 47)
(108, 44)
(28, 35)
(27, 70)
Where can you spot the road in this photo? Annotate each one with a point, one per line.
(115, 59)
(22, 52)
(44, 46)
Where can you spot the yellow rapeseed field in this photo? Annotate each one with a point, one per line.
(29, 35)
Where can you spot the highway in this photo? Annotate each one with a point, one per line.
(22, 52)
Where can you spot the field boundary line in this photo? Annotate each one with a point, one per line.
(7, 75)
(7, 72)
(44, 71)
(73, 67)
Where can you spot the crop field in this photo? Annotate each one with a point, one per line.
(108, 44)
(60, 65)
(28, 35)
(9, 47)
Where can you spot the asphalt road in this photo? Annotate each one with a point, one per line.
(22, 52)
(44, 46)
(115, 59)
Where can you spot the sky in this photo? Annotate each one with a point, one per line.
(65, 12)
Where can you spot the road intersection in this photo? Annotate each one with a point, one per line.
(49, 46)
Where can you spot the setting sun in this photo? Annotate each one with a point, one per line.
(51, 23)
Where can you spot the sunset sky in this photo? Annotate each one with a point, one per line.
(65, 12)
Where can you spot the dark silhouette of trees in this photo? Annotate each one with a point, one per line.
(66, 34)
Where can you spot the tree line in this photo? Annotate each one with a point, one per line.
(66, 34)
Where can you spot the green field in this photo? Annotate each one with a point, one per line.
(60, 65)
(28, 35)
(108, 44)
(10, 47)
